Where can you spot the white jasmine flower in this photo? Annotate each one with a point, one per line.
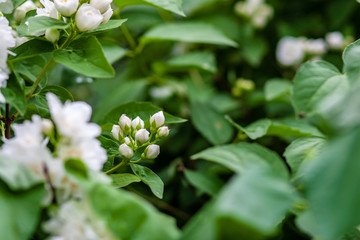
(142, 136)
(20, 12)
(116, 132)
(47, 126)
(52, 35)
(335, 40)
(125, 123)
(152, 151)
(157, 120)
(6, 6)
(315, 46)
(72, 119)
(49, 9)
(88, 18)
(107, 15)
(137, 124)
(66, 7)
(76, 221)
(126, 151)
(163, 132)
(290, 51)
(102, 5)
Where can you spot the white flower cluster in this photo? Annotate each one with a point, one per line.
(258, 12)
(88, 16)
(293, 51)
(7, 41)
(6, 6)
(133, 135)
(74, 138)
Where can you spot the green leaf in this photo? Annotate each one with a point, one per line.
(124, 179)
(187, 32)
(243, 156)
(201, 60)
(14, 94)
(76, 167)
(351, 61)
(149, 178)
(332, 184)
(170, 5)
(114, 53)
(211, 124)
(254, 51)
(30, 49)
(38, 24)
(16, 175)
(303, 149)
(277, 88)
(246, 208)
(129, 216)
(86, 57)
(18, 3)
(315, 81)
(30, 68)
(62, 93)
(204, 182)
(111, 24)
(280, 127)
(142, 109)
(20, 212)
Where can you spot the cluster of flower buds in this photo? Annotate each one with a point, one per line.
(256, 11)
(133, 135)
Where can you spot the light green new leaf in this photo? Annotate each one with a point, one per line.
(204, 182)
(243, 156)
(38, 24)
(286, 127)
(187, 32)
(201, 60)
(246, 208)
(332, 187)
(315, 81)
(169, 5)
(124, 179)
(277, 88)
(303, 149)
(211, 124)
(85, 56)
(149, 178)
(142, 109)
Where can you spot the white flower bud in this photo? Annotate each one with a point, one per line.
(102, 5)
(66, 7)
(142, 136)
(335, 40)
(127, 140)
(137, 124)
(107, 15)
(152, 151)
(157, 120)
(126, 151)
(47, 126)
(125, 123)
(315, 46)
(52, 35)
(116, 132)
(21, 11)
(88, 18)
(290, 51)
(163, 132)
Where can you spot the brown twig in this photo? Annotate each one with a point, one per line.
(7, 120)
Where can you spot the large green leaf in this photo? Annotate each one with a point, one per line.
(38, 24)
(211, 124)
(187, 32)
(204, 182)
(30, 49)
(351, 61)
(124, 179)
(142, 109)
(250, 207)
(332, 184)
(280, 127)
(149, 178)
(277, 88)
(315, 81)
(243, 156)
(129, 216)
(170, 5)
(85, 56)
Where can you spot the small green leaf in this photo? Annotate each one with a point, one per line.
(277, 88)
(211, 124)
(86, 57)
(243, 156)
(187, 32)
(38, 24)
(62, 93)
(111, 24)
(170, 5)
(204, 182)
(30, 49)
(149, 178)
(124, 179)
(14, 94)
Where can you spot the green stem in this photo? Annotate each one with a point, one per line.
(123, 163)
(129, 38)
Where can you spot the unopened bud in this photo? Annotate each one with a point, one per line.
(47, 126)
(66, 7)
(116, 132)
(157, 120)
(142, 136)
(151, 152)
(88, 18)
(137, 124)
(126, 151)
(107, 15)
(21, 11)
(52, 35)
(102, 5)
(125, 124)
(163, 132)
